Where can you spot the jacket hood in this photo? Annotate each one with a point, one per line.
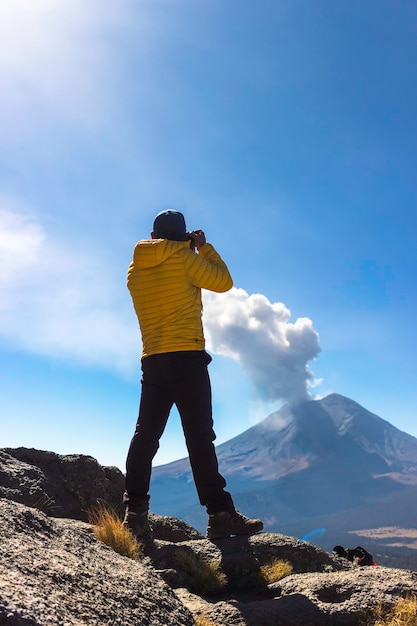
(152, 252)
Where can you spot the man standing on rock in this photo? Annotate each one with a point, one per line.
(165, 280)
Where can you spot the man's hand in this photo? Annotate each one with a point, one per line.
(198, 238)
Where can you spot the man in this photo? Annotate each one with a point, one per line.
(165, 280)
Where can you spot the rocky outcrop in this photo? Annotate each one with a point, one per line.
(333, 599)
(241, 559)
(53, 571)
(60, 485)
(172, 529)
(323, 589)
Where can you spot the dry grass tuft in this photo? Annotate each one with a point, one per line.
(275, 570)
(108, 528)
(201, 620)
(403, 613)
(46, 504)
(207, 577)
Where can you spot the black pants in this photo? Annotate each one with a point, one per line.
(179, 378)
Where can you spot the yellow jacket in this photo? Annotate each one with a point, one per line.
(165, 280)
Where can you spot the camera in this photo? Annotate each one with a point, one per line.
(190, 237)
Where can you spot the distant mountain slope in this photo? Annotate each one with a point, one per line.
(333, 429)
(323, 459)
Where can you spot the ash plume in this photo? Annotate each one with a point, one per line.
(273, 352)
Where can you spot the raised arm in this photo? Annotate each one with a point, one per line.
(207, 269)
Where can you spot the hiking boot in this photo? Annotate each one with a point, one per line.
(227, 523)
(136, 520)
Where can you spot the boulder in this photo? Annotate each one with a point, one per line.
(54, 572)
(171, 529)
(345, 598)
(241, 558)
(59, 485)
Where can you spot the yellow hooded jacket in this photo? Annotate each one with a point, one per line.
(165, 280)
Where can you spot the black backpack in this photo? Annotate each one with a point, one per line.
(357, 555)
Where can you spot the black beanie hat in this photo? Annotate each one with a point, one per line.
(170, 225)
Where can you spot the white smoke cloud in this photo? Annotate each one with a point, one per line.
(257, 333)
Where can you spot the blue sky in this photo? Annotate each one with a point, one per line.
(284, 129)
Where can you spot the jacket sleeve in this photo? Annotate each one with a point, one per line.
(207, 270)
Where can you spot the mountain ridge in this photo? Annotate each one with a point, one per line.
(296, 444)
